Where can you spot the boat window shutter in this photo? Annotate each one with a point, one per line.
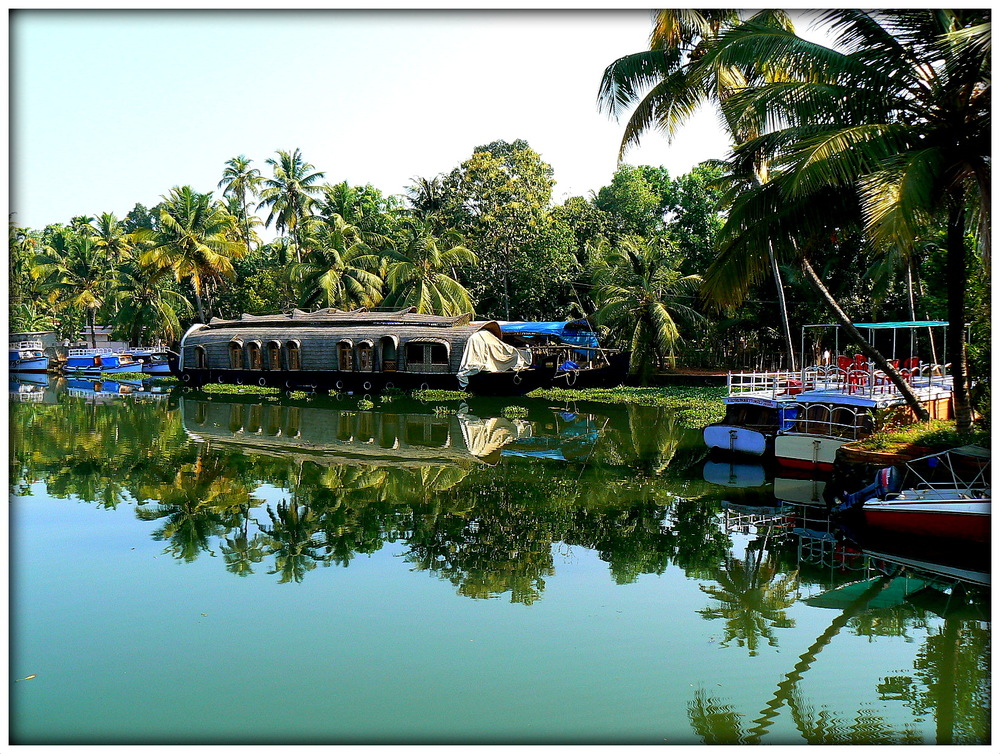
(274, 355)
(345, 356)
(254, 356)
(235, 354)
(294, 356)
(200, 358)
(366, 356)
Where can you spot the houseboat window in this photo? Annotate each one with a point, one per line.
(346, 356)
(235, 355)
(366, 357)
(200, 358)
(294, 358)
(388, 346)
(274, 355)
(254, 356)
(426, 355)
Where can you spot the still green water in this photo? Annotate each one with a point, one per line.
(222, 570)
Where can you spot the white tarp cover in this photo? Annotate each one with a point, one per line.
(485, 352)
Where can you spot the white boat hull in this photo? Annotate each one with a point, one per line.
(806, 451)
(736, 439)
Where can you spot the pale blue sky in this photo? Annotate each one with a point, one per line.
(110, 108)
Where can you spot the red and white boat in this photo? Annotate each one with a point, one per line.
(945, 495)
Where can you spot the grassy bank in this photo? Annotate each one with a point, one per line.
(937, 434)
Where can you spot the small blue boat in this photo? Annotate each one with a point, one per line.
(154, 360)
(100, 361)
(28, 356)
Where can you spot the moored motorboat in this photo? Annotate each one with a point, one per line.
(568, 354)
(155, 360)
(28, 356)
(945, 495)
(100, 361)
(758, 405)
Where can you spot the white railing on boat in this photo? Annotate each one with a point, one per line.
(772, 384)
(90, 352)
(27, 345)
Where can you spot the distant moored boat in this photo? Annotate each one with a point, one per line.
(28, 356)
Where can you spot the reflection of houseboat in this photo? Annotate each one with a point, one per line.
(100, 361)
(758, 404)
(358, 351)
(330, 436)
(570, 353)
(28, 356)
(839, 400)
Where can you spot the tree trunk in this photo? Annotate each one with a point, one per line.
(783, 306)
(859, 340)
(197, 300)
(93, 336)
(958, 279)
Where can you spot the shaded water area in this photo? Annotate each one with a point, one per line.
(207, 569)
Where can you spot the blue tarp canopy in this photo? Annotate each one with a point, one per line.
(577, 332)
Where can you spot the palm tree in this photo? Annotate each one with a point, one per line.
(145, 310)
(426, 197)
(422, 273)
(638, 290)
(195, 240)
(289, 195)
(339, 269)
(78, 278)
(241, 181)
(899, 114)
(110, 236)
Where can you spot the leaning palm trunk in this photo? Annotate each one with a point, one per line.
(782, 306)
(957, 282)
(858, 339)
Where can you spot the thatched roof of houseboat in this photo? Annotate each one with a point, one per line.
(338, 318)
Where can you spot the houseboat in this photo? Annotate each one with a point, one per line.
(28, 357)
(848, 398)
(758, 405)
(100, 361)
(362, 351)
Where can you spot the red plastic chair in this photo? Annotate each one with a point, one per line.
(844, 364)
(910, 367)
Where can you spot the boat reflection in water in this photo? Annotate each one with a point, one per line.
(104, 391)
(407, 439)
